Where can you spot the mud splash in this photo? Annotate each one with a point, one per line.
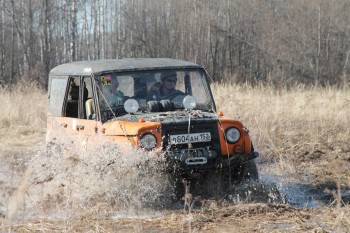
(105, 178)
(117, 185)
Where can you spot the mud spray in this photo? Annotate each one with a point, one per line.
(58, 187)
(116, 185)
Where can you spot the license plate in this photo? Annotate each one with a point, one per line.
(190, 138)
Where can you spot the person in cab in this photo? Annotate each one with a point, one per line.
(165, 89)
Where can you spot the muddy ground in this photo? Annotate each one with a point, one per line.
(43, 192)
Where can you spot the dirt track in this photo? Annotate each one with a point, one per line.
(231, 218)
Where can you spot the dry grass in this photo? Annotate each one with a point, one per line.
(22, 117)
(283, 121)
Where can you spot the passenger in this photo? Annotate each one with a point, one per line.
(166, 88)
(114, 97)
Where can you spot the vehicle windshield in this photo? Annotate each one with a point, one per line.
(153, 89)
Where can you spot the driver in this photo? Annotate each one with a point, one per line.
(166, 88)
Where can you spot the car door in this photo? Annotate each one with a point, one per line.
(77, 126)
(87, 125)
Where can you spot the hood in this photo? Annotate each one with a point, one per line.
(169, 117)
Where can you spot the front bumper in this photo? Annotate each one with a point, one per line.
(203, 159)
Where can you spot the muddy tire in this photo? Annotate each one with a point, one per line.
(229, 178)
(246, 171)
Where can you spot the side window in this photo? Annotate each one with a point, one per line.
(72, 98)
(56, 95)
(88, 100)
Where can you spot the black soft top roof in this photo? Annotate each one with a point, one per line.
(129, 64)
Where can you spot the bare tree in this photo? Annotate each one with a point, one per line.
(73, 30)
(2, 42)
(274, 41)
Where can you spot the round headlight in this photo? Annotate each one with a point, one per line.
(232, 135)
(189, 102)
(131, 106)
(148, 141)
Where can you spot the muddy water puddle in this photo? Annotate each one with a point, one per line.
(298, 191)
(297, 195)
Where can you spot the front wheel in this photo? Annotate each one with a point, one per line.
(246, 171)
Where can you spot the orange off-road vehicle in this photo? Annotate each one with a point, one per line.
(151, 103)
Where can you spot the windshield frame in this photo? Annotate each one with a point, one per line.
(203, 77)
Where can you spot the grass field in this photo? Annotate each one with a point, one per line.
(302, 130)
(22, 118)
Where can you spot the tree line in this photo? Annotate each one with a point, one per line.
(280, 42)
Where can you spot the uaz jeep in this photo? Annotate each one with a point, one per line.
(148, 103)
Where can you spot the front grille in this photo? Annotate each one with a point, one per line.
(197, 126)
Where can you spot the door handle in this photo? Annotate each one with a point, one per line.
(80, 127)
